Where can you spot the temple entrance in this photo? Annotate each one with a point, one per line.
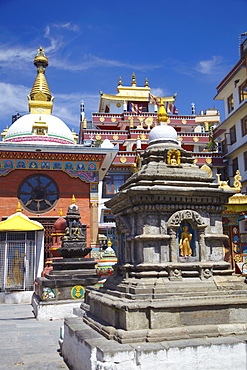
(17, 259)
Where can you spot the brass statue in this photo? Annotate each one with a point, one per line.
(184, 243)
(174, 157)
(236, 184)
(237, 181)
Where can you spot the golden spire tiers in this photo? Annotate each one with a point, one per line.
(40, 99)
(162, 113)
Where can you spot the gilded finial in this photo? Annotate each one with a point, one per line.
(162, 113)
(18, 207)
(40, 59)
(109, 243)
(146, 83)
(73, 199)
(40, 96)
(120, 82)
(133, 79)
(60, 212)
(85, 123)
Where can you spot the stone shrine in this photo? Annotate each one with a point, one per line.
(171, 281)
(65, 283)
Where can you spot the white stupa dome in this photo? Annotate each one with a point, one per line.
(163, 133)
(27, 129)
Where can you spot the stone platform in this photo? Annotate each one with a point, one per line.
(85, 349)
(45, 310)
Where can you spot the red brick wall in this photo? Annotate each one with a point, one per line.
(67, 187)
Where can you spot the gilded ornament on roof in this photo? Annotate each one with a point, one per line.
(101, 119)
(143, 136)
(208, 160)
(149, 122)
(115, 137)
(180, 138)
(113, 119)
(123, 159)
(196, 139)
(118, 105)
(184, 121)
(195, 160)
(207, 169)
(98, 137)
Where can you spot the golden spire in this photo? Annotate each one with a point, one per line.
(18, 207)
(146, 83)
(133, 79)
(40, 99)
(73, 199)
(120, 82)
(162, 113)
(60, 212)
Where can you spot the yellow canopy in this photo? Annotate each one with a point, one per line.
(20, 222)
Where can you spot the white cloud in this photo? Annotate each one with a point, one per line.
(159, 92)
(14, 54)
(210, 67)
(68, 26)
(91, 61)
(13, 99)
(66, 106)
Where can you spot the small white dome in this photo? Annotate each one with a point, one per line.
(23, 130)
(107, 144)
(163, 133)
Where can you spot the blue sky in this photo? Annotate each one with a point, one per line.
(181, 46)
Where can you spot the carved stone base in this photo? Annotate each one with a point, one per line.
(152, 301)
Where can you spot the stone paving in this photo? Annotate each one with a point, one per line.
(26, 343)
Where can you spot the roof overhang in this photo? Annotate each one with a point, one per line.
(20, 222)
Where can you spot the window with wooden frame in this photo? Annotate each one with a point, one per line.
(230, 103)
(234, 166)
(244, 125)
(245, 161)
(233, 137)
(243, 92)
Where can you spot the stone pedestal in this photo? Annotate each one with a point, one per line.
(56, 293)
(63, 288)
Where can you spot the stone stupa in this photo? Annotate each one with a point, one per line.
(171, 281)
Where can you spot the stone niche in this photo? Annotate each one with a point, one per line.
(171, 271)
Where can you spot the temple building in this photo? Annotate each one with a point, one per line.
(126, 120)
(42, 165)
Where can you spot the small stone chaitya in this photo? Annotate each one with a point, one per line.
(66, 282)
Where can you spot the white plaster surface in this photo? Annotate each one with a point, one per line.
(53, 310)
(87, 350)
